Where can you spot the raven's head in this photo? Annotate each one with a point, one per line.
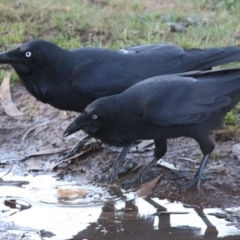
(96, 116)
(40, 65)
(31, 56)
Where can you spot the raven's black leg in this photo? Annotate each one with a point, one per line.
(160, 150)
(141, 177)
(113, 177)
(207, 147)
(196, 181)
(76, 149)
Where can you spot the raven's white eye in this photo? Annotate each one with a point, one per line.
(28, 54)
(94, 116)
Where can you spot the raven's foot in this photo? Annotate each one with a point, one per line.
(111, 178)
(75, 150)
(131, 184)
(83, 145)
(123, 170)
(140, 179)
(129, 166)
(194, 183)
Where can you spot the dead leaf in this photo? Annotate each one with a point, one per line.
(6, 99)
(168, 165)
(146, 188)
(188, 159)
(145, 144)
(11, 167)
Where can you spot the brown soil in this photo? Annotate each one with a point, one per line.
(41, 128)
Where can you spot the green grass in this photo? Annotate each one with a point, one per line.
(231, 120)
(215, 4)
(215, 155)
(117, 23)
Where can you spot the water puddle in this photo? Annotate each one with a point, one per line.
(41, 207)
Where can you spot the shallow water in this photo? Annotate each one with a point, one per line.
(101, 214)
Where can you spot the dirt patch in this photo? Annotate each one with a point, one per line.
(41, 127)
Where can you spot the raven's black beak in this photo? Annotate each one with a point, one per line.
(9, 57)
(72, 128)
(82, 122)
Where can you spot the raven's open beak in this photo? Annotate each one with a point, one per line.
(9, 57)
(80, 123)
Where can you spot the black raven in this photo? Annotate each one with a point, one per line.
(189, 104)
(70, 80)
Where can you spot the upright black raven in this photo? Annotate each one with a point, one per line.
(159, 108)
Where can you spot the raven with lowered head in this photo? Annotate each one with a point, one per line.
(189, 104)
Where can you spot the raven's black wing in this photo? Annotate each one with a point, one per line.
(176, 99)
(104, 72)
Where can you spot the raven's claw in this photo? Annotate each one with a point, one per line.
(140, 179)
(194, 183)
(108, 179)
(75, 150)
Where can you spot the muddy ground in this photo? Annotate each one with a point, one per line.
(40, 129)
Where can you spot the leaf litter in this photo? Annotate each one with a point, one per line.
(6, 99)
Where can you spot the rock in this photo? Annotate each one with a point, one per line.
(176, 27)
(70, 192)
(236, 150)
